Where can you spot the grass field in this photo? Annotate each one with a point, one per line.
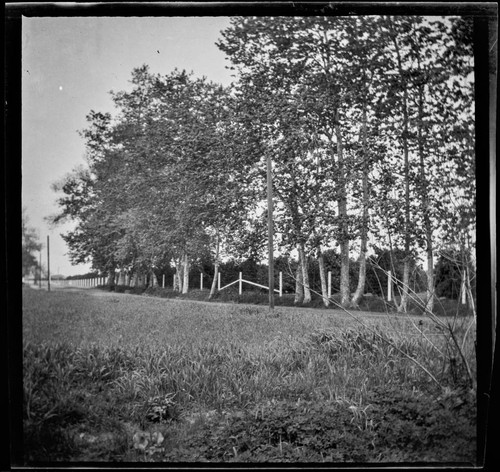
(117, 377)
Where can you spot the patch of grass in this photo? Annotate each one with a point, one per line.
(300, 386)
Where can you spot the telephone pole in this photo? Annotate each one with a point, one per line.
(40, 270)
(48, 264)
(270, 232)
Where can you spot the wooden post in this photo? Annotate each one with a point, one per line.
(48, 264)
(201, 280)
(389, 286)
(240, 284)
(270, 231)
(329, 284)
(281, 284)
(218, 281)
(163, 281)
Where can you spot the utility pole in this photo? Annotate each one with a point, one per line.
(48, 264)
(270, 232)
(40, 270)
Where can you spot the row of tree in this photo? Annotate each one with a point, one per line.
(368, 121)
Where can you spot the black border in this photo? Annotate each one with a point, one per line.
(258, 8)
(485, 15)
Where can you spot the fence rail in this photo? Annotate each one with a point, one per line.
(241, 280)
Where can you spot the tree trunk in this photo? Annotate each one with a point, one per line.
(299, 285)
(322, 276)
(470, 295)
(305, 274)
(185, 264)
(425, 204)
(345, 293)
(360, 289)
(178, 279)
(403, 306)
(178, 275)
(111, 278)
(216, 268)
(406, 265)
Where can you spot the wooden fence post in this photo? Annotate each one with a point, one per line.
(281, 284)
(241, 284)
(201, 280)
(389, 286)
(163, 281)
(218, 281)
(329, 284)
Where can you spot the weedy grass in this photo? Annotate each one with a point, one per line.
(232, 383)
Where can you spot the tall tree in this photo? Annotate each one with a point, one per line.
(30, 245)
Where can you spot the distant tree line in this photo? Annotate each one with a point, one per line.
(369, 122)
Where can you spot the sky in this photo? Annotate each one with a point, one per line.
(69, 66)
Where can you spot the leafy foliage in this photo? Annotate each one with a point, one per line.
(369, 124)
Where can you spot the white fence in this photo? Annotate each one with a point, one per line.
(240, 280)
(101, 280)
(92, 282)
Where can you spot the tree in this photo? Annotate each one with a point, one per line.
(453, 270)
(289, 91)
(369, 125)
(160, 178)
(30, 245)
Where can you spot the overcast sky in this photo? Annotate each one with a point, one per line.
(69, 67)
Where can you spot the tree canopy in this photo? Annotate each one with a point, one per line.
(369, 122)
